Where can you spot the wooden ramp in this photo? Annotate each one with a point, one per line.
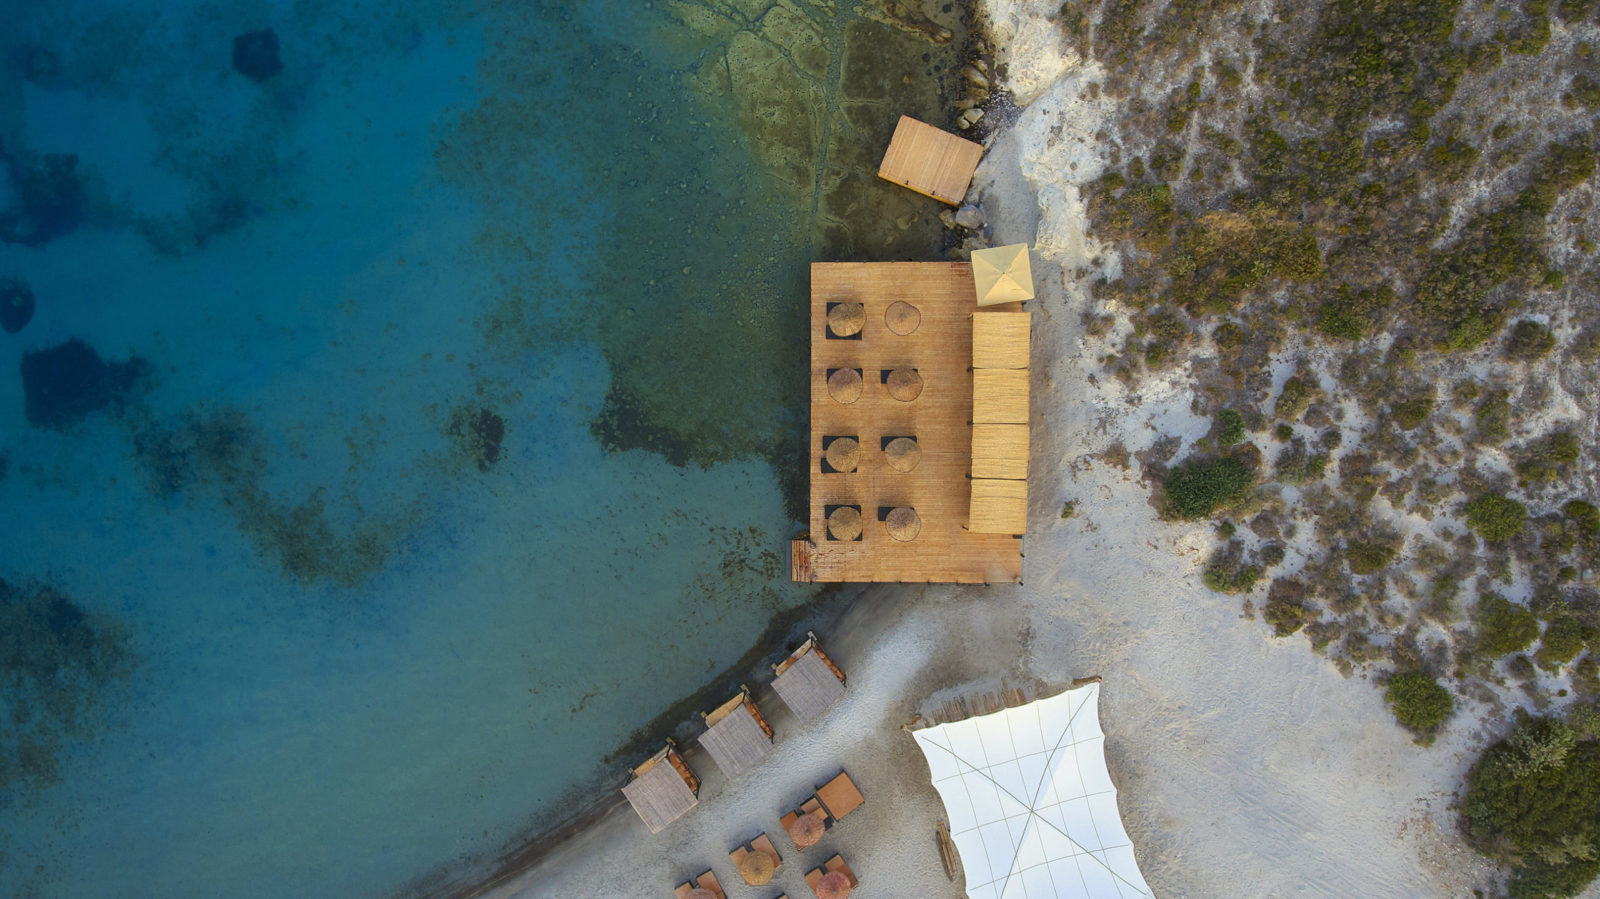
(931, 162)
(938, 348)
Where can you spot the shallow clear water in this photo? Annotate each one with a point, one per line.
(451, 395)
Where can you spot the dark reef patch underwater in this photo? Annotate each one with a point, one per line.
(16, 305)
(65, 383)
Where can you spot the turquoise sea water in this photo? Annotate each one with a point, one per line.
(398, 427)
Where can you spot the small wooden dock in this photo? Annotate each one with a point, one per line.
(930, 161)
(884, 343)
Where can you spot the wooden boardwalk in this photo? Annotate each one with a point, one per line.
(939, 419)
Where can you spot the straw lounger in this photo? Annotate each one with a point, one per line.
(706, 881)
(760, 844)
(833, 864)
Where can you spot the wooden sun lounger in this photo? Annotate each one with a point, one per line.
(759, 844)
(706, 881)
(833, 864)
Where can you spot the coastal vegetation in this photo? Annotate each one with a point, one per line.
(1366, 232)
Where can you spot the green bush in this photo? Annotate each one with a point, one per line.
(1230, 428)
(1533, 801)
(1353, 314)
(1503, 626)
(1368, 558)
(1409, 414)
(1196, 489)
(1228, 572)
(1294, 399)
(1584, 92)
(1583, 515)
(1545, 460)
(1286, 610)
(1496, 518)
(1419, 703)
(1563, 639)
(1493, 418)
(1529, 341)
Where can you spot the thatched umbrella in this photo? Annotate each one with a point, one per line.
(757, 868)
(904, 524)
(904, 384)
(833, 885)
(843, 453)
(902, 318)
(845, 523)
(902, 453)
(847, 319)
(806, 830)
(844, 385)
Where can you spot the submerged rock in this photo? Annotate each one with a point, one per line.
(255, 55)
(49, 197)
(63, 384)
(16, 305)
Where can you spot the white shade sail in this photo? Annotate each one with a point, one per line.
(1032, 808)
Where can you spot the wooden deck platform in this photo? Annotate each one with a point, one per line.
(737, 735)
(930, 161)
(938, 487)
(662, 790)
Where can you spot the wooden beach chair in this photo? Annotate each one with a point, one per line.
(836, 863)
(706, 881)
(760, 844)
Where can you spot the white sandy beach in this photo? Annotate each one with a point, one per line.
(1247, 766)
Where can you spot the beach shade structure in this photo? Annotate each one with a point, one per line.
(843, 454)
(1000, 396)
(834, 880)
(844, 385)
(844, 523)
(930, 161)
(846, 319)
(1002, 275)
(808, 681)
(902, 453)
(1033, 811)
(806, 829)
(1000, 339)
(998, 507)
(903, 524)
(757, 861)
(737, 735)
(757, 868)
(904, 384)
(662, 789)
(902, 318)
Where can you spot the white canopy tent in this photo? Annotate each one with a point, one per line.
(1032, 808)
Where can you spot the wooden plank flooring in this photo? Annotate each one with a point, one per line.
(939, 487)
(931, 161)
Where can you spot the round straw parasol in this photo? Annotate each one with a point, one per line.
(843, 453)
(845, 523)
(905, 384)
(902, 318)
(844, 386)
(833, 885)
(904, 524)
(757, 868)
(806, 830)
(847, 319)
(902, 453)
(699, 893)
